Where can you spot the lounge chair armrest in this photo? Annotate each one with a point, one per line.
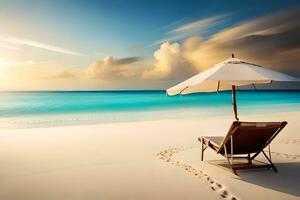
(213, 142)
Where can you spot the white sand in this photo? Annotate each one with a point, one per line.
(120, 161)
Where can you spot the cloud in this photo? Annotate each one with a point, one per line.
(124, 61)
(111, 68)
(166, 39)
(19, 41)
(272, 41)
(192, 43)
(198, 27)
(170, 63)
(107, 69)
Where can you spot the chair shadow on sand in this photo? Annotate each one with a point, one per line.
(286, 180)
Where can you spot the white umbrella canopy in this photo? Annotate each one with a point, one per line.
(227, 75)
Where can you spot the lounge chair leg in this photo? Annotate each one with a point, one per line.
(249, 159)
(231, 149)
(230, 164)
(270, 161)
(270, 156)
(202, 149)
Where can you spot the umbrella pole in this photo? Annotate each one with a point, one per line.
(234, 103)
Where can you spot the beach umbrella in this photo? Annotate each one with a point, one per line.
(229, 75)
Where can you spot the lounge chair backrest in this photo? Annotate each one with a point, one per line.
(250, 137)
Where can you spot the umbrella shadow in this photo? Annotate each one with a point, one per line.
(286, 180)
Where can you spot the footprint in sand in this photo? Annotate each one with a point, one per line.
(284, 155)
(166, 155)
(290, 141)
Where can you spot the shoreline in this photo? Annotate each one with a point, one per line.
(67, 120)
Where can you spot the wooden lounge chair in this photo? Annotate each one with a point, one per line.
(245, 140)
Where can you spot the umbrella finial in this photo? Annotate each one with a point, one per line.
(232, 55)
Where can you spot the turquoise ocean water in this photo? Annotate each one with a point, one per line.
(36, 109)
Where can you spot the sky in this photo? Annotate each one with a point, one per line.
(136, 44)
